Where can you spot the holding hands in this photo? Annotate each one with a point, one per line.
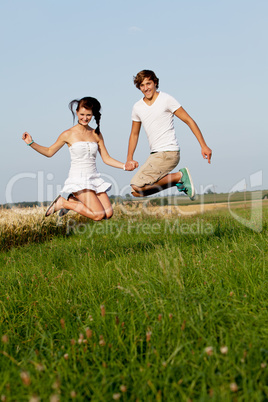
(131, 165)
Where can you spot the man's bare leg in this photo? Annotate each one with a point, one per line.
(167, 181)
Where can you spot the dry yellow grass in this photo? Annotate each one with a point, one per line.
(35, 216)
(24, 225)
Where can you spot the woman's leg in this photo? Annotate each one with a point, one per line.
(88, 204)
(104, 199)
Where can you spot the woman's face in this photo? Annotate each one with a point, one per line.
(84, 115)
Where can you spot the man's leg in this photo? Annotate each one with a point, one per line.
(154, 175)
(182, 179)
(167, 181)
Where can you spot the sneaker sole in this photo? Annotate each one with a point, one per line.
(192, 184)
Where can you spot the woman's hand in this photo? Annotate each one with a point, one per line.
(131, 165)
(27, 137)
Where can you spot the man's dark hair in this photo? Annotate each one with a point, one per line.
(145, 74)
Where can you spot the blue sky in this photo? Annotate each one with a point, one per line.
(210, 55)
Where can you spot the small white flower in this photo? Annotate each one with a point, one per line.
(209, 350)
(233, 387)
(224, 350)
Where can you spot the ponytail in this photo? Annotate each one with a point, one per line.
(97, 116)
(71, 104)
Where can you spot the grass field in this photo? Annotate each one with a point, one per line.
(138, 308)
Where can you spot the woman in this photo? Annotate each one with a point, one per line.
(87, 190)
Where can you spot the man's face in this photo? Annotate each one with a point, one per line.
(148, 88)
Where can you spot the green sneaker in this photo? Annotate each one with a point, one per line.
(186, 184)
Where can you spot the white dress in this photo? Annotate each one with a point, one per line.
(83, 173)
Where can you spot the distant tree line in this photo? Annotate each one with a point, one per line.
(114, 198)
(25, 204)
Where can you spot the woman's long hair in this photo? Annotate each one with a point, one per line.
(90, 104)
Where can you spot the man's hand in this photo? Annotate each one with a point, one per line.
(207, 153)
(131, 165)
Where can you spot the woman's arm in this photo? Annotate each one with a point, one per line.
(46, 151)
(106, 157)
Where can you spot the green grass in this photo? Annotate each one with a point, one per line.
(126, 309)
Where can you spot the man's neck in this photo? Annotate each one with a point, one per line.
(150, 101)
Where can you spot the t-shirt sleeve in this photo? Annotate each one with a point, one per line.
(134, 115)
(172, 104)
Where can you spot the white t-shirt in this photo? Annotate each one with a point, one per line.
(158, 122)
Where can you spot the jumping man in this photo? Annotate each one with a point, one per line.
(155, 111)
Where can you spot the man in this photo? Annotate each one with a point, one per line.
(156, 112)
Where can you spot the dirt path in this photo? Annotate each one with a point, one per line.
(190, 210)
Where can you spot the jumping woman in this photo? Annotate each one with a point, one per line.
(86, 189)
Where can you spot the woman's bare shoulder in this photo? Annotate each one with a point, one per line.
(67, 134)
(97, 137)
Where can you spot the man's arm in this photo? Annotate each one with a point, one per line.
(183, 115)
(132, 144)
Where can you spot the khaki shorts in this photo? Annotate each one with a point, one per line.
(157, 166)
